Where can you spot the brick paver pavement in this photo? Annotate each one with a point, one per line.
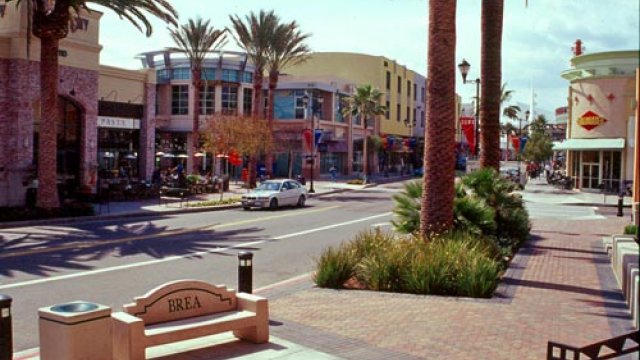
(559, 287)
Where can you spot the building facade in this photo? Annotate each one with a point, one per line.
(601, 120)
(402, 127)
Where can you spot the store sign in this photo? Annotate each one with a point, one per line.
(590, 120)
(118, 123)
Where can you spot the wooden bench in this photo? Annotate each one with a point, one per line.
(187, 309)
(167, 194)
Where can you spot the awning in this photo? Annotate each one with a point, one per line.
(589, 144)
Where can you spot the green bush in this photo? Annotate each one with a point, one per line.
(457, 264)
(630, 229)
(334, 267)
(355, 182)
(214, 202)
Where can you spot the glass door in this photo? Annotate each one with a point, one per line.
(590, 170)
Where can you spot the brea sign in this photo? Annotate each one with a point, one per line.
(590, 120)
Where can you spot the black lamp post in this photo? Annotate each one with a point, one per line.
(305, 102)
(464, 67)
(526, 117)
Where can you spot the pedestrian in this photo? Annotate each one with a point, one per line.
(334, 173)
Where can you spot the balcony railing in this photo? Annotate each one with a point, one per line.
(607, 349)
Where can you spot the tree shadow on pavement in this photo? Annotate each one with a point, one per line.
(44, 251)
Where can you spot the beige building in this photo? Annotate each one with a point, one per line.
(601, 120)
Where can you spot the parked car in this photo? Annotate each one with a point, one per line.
(275, 193)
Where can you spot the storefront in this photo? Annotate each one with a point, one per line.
(118, 147)
(601, 122)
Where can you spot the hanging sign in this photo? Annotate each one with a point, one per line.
(468, 125)
(590, 120)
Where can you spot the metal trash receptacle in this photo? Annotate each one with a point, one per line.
(75, 330)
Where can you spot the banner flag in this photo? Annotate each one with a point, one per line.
(468, 126)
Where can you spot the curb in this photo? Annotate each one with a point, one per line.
(188, 210)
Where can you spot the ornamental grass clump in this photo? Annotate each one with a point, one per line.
(334, 267)
(455, 264)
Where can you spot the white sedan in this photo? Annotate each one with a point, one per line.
(275, 193)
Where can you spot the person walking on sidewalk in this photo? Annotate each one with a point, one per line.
(334, 173)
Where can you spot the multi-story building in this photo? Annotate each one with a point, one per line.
(601, 119)
(404, 97)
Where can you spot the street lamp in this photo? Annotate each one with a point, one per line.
(526, 117)
(305, 101)
(464, 67)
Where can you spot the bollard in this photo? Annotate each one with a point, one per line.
(6, 335)
(245, 272)
(620, 200)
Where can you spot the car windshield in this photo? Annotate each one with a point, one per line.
(269, 186)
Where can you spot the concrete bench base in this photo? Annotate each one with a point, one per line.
(184, 310)
(624, 261)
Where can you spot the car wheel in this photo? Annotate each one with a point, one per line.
(246, 207)
(301, 201)
(273, 204)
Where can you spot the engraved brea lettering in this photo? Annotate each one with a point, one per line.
(183, 303)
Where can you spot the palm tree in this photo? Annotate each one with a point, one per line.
(510, 112)
(49, 21)
(254, 36)
(365, 103)
(286, 48)
(436, 213)
(491, 74)
(196, 39)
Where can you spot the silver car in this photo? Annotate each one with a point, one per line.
(275, 193)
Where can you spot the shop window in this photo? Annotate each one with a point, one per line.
(208, 74)
(247, 100)
(230, 75)
(247, 77)
(207, 100)
(180, 99)
(229, 100)
(181, 74)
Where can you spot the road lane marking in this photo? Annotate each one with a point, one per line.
(186, 256)
(93, 243)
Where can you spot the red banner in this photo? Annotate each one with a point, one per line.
(516, 143)
(468, 126)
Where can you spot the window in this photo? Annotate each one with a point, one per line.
(387, 112)
(229, 100)
(247, 77)
(399, 85)
(422, 118)
(247, 100)
(208, 74)
(230, 75)
(299, 104)
(163, 76)
(388, 80)
(181, 74)
(398, 112)
(180, 99)
(408, 118)
(408, 89)
(207, 102)
(415, 91)
(414, 117)
(424, 98)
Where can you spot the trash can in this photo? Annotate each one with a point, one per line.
(75, 330)
(225, 182)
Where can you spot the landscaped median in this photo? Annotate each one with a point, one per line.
(490, 224)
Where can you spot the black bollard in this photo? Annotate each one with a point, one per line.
(620, 200)
(6, 336)
(245, 272)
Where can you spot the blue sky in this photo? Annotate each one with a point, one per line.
(536, 46)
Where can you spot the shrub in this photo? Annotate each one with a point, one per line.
(355, 182)
(630, 229)
(334, 267)
(214, 202)
(454, 263)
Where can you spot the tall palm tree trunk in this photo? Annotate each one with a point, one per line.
(365, 151)
(439, 158)
(258, 107)
(491, 74)
(273, 84)
(47, 144)
(195, 134)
